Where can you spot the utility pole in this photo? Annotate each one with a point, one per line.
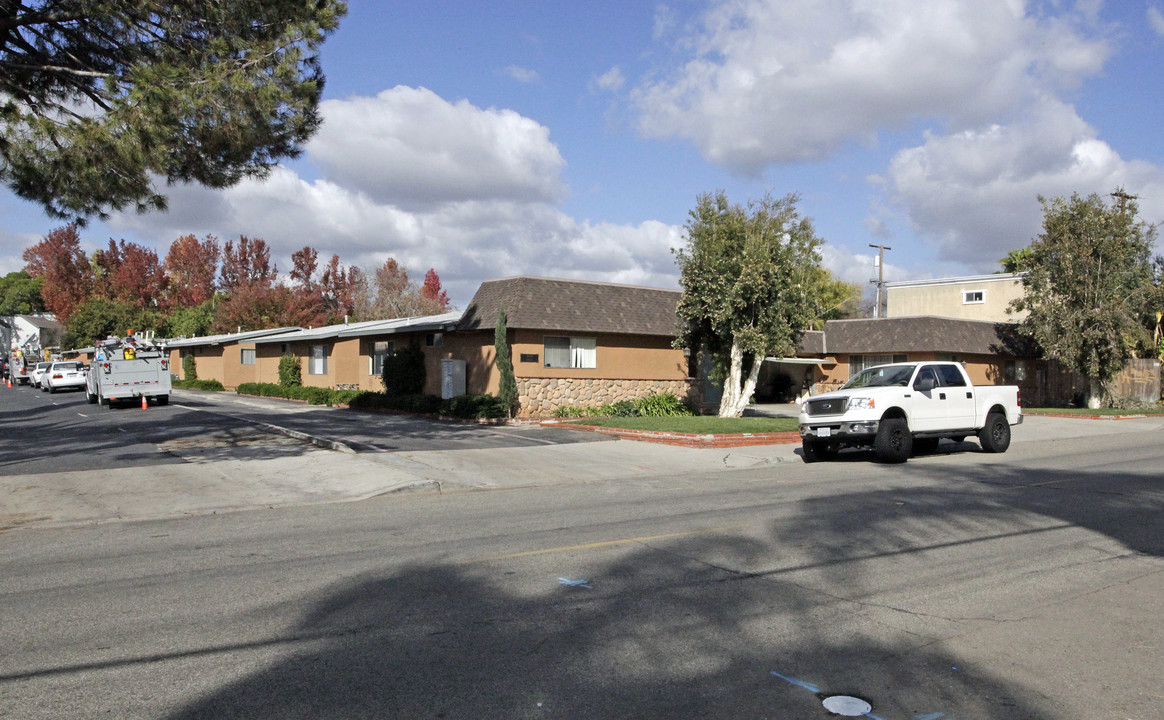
(879, 261)
(1123, 197)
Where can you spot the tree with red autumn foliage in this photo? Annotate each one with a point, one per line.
(129, 273)
(432, 292)
(191, 265)
(64, 268)
(246, 263)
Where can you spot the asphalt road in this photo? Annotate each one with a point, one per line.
(963, 585)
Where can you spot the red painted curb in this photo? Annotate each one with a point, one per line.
(692, 440)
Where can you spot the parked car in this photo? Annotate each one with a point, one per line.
(34, 375)
(61, 375)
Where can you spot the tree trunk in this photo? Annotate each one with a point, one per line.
(736, 388)
(1095, 396)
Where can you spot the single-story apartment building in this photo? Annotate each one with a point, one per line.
(585, 343)
(576, 342)
(227, 358)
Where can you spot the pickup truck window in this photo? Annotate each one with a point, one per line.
(950, 376)
(894, 375)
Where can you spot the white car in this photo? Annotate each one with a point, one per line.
(37, 371)
(61, 375)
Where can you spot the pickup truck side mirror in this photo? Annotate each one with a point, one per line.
(925, 384)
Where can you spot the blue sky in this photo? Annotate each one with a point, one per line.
(572, 139)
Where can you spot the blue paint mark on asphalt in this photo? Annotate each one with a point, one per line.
(794, 681)
(575, 583)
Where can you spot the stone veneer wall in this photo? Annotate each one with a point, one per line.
(539, 397)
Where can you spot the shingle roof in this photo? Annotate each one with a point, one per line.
(536, 303)
(923, 334)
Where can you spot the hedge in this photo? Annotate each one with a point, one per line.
(198, 385)
(463, 406)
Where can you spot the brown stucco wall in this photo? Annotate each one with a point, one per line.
(234, 373)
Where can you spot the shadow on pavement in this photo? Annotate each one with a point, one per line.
(668, 632)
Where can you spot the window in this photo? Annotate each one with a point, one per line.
(381, 350)
(571, 352)
(973, 297)
(248, 356)
(434, 340)
(950, 376)
(318, 363)
(857, 363)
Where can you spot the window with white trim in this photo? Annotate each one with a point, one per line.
(857, 363)
(570, 352)
(381, 350)
(973, 297)
(248, 356)
(317, 365)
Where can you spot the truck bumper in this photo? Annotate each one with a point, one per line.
(843, 431)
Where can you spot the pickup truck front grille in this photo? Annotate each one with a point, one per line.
(826, 406)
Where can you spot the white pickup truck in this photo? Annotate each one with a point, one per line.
(905, 408)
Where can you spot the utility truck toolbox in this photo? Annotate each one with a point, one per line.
(129, 369)
(906, 408)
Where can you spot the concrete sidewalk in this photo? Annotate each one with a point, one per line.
(222, 479)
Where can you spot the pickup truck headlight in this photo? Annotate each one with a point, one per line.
(859, 403)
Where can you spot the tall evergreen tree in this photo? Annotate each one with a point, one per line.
(1088, 286)
(98, 98)
(507, 384)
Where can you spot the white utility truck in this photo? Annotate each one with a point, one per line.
(907, 408)
(128, 368)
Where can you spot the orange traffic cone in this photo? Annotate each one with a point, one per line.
(143, 402)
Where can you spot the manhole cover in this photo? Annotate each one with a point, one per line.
(847, 706)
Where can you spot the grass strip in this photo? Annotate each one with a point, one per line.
(1099, 411)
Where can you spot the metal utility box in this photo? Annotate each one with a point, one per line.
(452, 378)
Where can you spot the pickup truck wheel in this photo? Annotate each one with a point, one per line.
(995, 434)
(925, 446)
(162, 400)
(815, 450)
(893, 443)
(90, 397)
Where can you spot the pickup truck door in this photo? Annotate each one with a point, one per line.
(927, 407)
(959, 397)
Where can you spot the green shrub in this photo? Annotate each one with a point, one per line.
(662, 405)
(475, 406)
(622, 408)
(290, 371)
(404, 372)
(189, 368)
(212, 385)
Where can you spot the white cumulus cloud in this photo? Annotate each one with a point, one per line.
(468, 191)
(974, 193)
(409, 145)
(769, 81)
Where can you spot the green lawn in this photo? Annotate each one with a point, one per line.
(1101, 411)
(698, 425)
